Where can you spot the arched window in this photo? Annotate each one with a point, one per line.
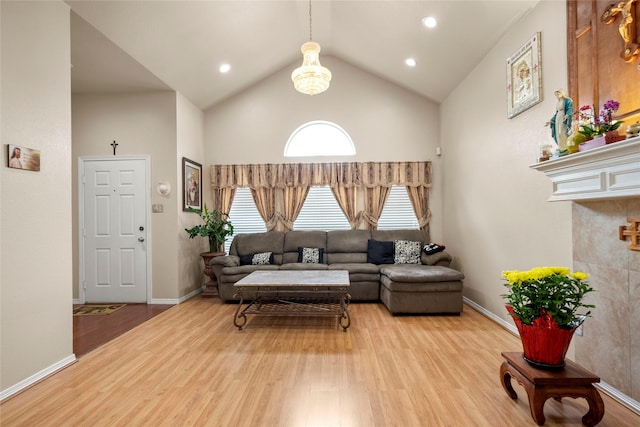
(319, 138)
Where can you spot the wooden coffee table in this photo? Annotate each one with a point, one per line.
(295, 293)
(571, 381)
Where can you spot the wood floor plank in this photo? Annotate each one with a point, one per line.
(90, 332)
(190, 366)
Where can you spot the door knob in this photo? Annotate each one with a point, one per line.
(140, 239)
(141, 228)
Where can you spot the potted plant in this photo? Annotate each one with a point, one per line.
(547, 305)
(217, 227)
(603, 125)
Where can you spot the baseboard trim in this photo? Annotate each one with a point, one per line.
(39, 376)
(486, 313)
(611, 391)
(175, 301)
(616, 394)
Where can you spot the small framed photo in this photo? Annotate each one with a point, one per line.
(524, 77)
(23, 158)
(191, 185)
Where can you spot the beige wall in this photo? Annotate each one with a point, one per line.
(190, 126)
(386, 123)
(141, 124)
(497, 217)
(36, 314)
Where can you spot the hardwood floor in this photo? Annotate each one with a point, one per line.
(190, 366)
(90, 332)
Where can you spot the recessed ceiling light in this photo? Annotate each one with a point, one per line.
(429, 21)
(410, 62)
(224, 68)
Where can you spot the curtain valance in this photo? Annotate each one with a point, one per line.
(347, 174)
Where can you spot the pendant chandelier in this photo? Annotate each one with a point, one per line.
(311, 77)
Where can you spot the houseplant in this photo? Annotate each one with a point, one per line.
(592, 126)
(217, 227)
(547, 305)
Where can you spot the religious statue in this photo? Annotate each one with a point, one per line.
(560, 123)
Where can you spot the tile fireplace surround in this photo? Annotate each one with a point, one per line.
(604, 187)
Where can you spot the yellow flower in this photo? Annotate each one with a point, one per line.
(554, 291)
(579, 275)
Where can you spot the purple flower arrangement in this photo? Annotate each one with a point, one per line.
(592, 125)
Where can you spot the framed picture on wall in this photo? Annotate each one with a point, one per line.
(524, 77)
(23, 158)
(191, 185)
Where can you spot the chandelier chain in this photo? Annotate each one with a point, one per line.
(310, 27)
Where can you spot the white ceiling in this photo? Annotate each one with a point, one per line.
(152, 45)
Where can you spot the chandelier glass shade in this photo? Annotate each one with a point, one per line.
(311, 77)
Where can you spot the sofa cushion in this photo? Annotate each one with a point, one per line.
(303, 266)
(356, 267)
(344, 241)
(254, 243)
(413, 235)
(421, 287)
(420, 273)
(304, 238)
(380, 252)
(262, 258)
(236, 273)
(407, 252)
(439, 258)
(433, 248)
(310, 255)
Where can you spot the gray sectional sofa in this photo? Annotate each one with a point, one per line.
(427, 286)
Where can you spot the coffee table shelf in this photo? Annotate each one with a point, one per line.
(295, 293)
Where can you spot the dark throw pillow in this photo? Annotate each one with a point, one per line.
(379, 252)
(257, 259)
(310, 255)
(432, 248)
(407, 252)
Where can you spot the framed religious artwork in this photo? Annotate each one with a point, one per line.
(524, 77)
(23, 158)
(191, 185)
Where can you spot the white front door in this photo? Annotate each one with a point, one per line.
(113, 222)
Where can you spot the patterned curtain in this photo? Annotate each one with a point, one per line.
(222, 199)
(346, 180)
(294, 198)
(374, 199)
(419, 197)
(369, 174)
(347, 198)
(265, 200)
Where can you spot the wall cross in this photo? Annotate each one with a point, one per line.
(626, 28)
(114, 145)
(631, 232)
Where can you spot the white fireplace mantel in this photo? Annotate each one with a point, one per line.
(608, 172)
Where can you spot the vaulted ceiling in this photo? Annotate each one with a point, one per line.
(158, 45)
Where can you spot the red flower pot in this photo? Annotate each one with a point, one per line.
(544, 343)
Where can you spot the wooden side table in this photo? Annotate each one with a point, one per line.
(211, 289)
(572, 381)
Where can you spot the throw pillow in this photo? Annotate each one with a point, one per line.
(310, 255)
(257, 259)
(407, 252)
(432, 248)
(379, 252)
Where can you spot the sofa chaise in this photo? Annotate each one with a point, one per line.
(382, 265)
